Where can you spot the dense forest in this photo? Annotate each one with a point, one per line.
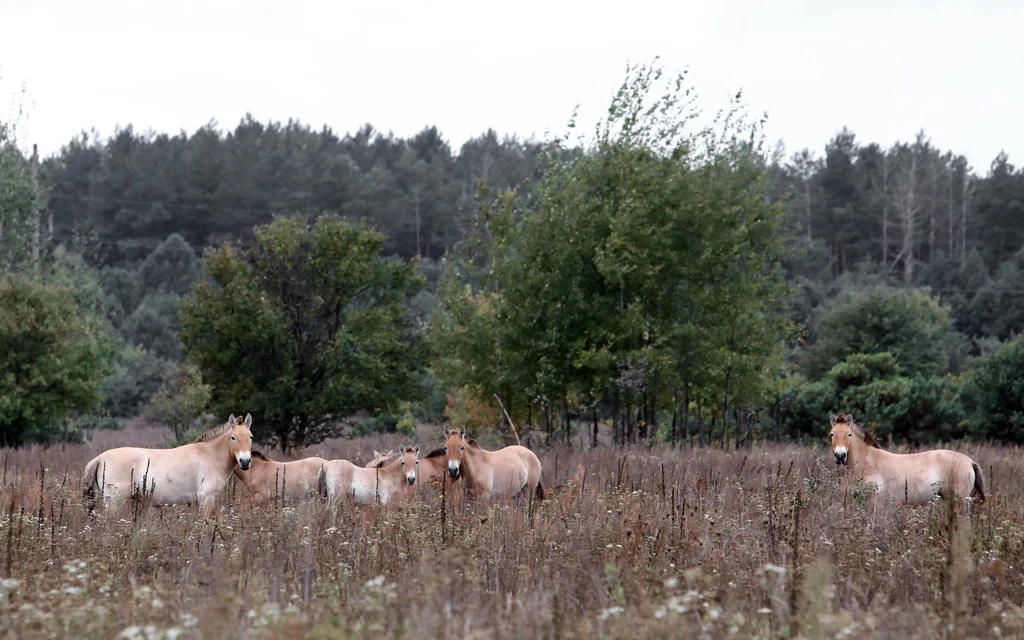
(902, 296)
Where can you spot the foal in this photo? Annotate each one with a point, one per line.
(268, 478)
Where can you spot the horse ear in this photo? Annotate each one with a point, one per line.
(376, 454)
(832, 419)
(248, 420)
(231, 419)
(462, 432)
(416, 451)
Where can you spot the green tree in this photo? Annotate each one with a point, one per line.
(54, 357)
(994, 394)
(305, 327)
(648, 268)
(181, 399)
(908, 323)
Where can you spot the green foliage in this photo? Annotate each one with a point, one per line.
(17, 202)
(994, 394)
(137, 376)
(873, 389)
(181, 399)
(650, 262)
(154, 325)
(304, 328)
(909, 324)
(54, 356)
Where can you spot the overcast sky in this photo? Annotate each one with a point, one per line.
(885, 69)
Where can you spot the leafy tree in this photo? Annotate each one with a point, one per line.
(994, 394)
(53, 358)
(137, 376)
(181, 399)
(305, 327)
(648, 268)
(909, 324)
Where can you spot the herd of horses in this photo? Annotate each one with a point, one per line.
(198, 471)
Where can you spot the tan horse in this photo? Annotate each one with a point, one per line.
(914, 478)
(194, 472)
(268, 478)
(509, 471)
(426, 470)
(361, 484)
(380, 459)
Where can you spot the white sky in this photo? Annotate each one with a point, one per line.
(885, 69)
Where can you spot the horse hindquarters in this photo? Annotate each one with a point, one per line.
(979, 482)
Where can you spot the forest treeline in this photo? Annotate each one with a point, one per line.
(684, 285)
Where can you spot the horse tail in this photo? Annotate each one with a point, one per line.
(979, 482)
(321, 482)
(540, 490)
(91, 478)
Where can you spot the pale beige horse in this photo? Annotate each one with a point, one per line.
(510, 471)
(380, 459)
(361, 484)
(269, 479)
(195, 472)
(914, 478)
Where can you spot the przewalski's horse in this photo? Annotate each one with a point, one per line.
(361, 484)
(426, 470)
(379, 459)
(510, 471)
(194, 472)
(914, 478)
(268, 478)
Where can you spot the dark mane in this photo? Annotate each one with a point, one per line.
(857, 430)
(436, 453)
(219, 430)
(259, 456)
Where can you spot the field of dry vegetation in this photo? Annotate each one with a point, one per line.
(758, 542)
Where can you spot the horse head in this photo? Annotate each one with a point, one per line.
(409, 457)
(455, 449)
(240, 441)
(845, 436)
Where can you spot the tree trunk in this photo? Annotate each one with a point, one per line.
(568, 423)
(36, 212)
(593, 437)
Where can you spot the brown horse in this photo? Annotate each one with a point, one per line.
(510, 471)
(194, 472)
(914, 478)
(268, 478)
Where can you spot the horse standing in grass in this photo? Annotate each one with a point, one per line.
(914, 478)
(361, 484)
(194, 472)
(269, 478)
(510, 471)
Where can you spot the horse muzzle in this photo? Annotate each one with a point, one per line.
(453, 471)
(245, 463)
(840, 456)
(410, 479)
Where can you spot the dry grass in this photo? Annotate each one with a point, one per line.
(638, 543)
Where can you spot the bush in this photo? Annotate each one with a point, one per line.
(994, 395)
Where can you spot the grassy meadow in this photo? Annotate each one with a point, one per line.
(759, 542)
